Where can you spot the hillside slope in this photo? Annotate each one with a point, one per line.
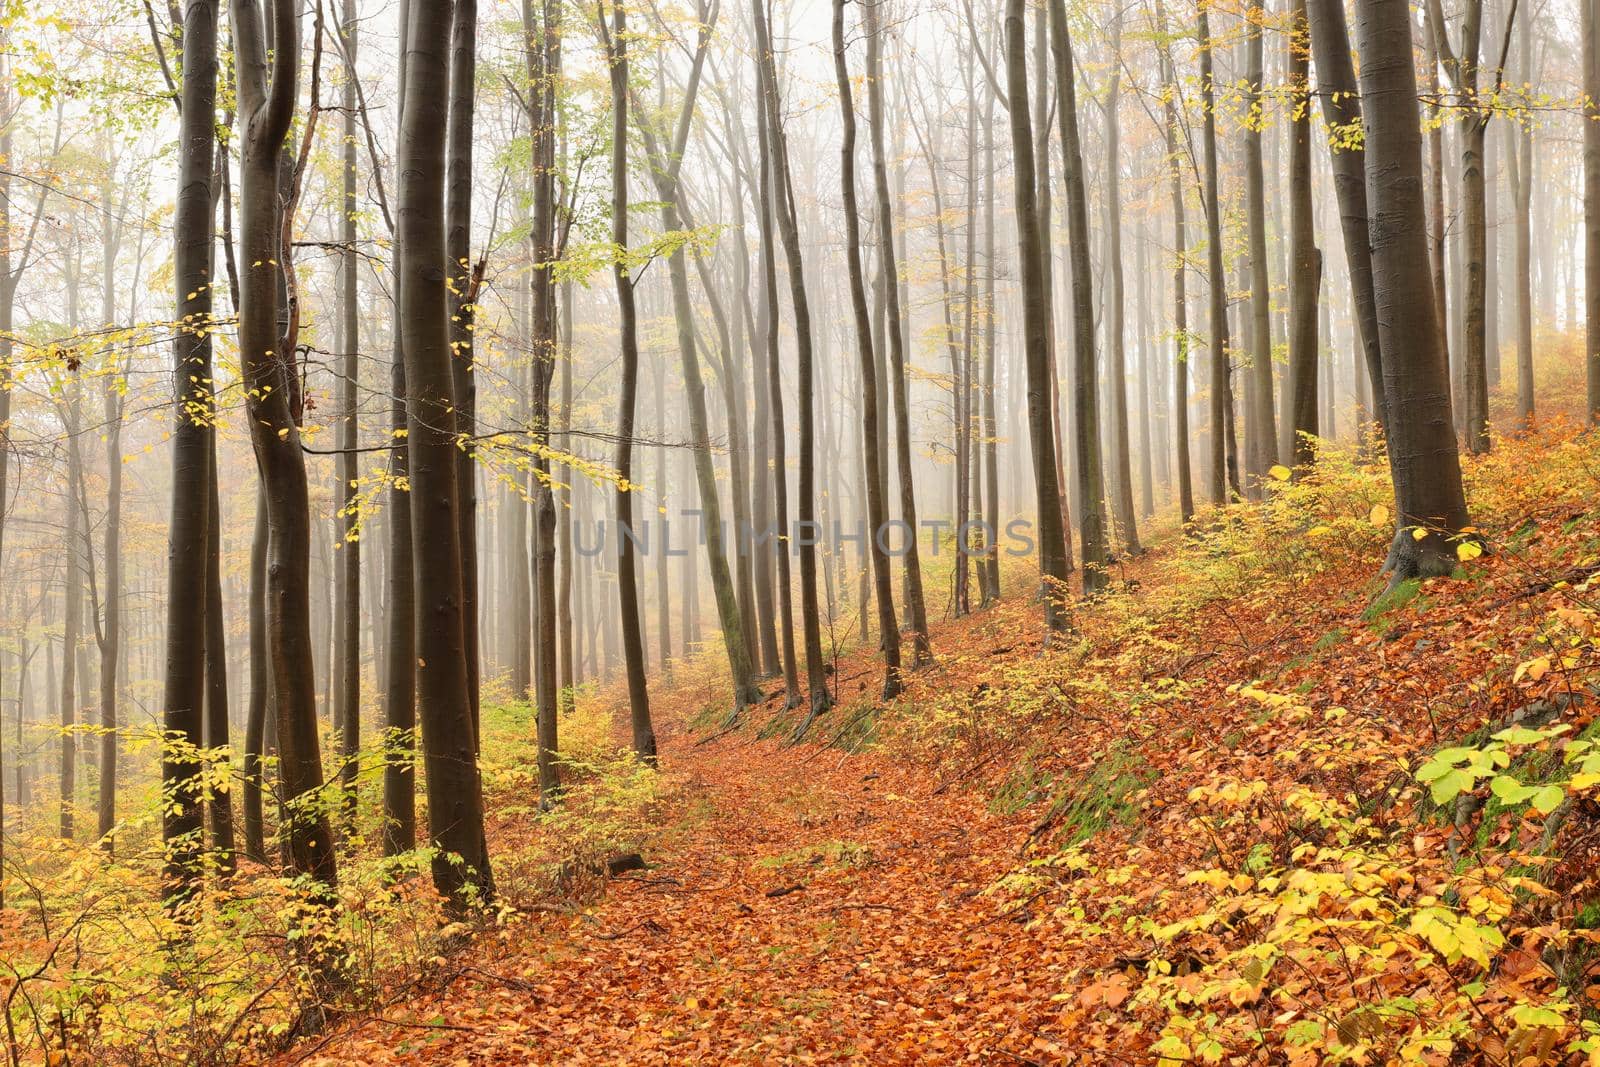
(1254, 807)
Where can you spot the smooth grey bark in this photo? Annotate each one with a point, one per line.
(911, 562)
(1590, 57)
(882, 580)
(665, 160)
(444, 697)
(400, 681)
(1224, 449)
(1463, 64)
(806, 528)
(266, 112)
(465, 279)
(347, 667)
(780, 477)
(183, 691)
(543, 57)
(1519, 159)
(1180, 298)
(219, 803)
(1262, 437)
(990, 565)
(1422, 443)
(1304, 258)
(644, 738)
(1341, 110)
(1036, 326)
(1087, 469)
(259, 706)
(1121, 452)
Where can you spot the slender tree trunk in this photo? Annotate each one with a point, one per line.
(260, 703)
(72, 614)
(644, 737)
(1341, 109)
(266, 111)
(910, 561)
(1093, 542)
(883, 582)
(1590, 57)
(1036, 326)
(220, 802)
(1224, 451)
(805, 533)
(400, 687)
(1464, 68)
(571, 663)
(111, 595)
(1180, 298)
(1520, 159)
(991, 438)
(1121, 458)
(780, 477)
(543, 55)
(1305, 259)
(1263, 436)
(464, 279)
(347, 709)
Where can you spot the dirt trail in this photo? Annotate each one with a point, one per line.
(812, 907)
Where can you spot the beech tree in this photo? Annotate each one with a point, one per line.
(1429, 500)
(444, 699)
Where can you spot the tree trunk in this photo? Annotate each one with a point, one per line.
(806, 528)
(1121, 458)
(444, 698)
(347, 694)
(1520, 159)
(1590, 57)
(644, 737)
(910, 561)
(1305, 259)
(991, 442)
(266, 111)
(183, 691)
(1093, 542)
(1341, 109)
(1180, 299)
(883, 582)
(1036, 326)
(1224, 451)
(543, 54)
(260, 705)
(780, 477)
(1422, 444)
(219, 802)
(1263, 436)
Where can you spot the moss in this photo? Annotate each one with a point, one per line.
(1105, 794)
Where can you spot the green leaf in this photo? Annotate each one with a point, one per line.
(1445, 789)
(1511, 791)
(1548, 799)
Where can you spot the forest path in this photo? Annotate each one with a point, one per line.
(804, 906)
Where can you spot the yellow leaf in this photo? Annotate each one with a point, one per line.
(1280, 472)
(1418, 533)
(1468, 550)
(1379, 515)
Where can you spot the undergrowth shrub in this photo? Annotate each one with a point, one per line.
(94, 970)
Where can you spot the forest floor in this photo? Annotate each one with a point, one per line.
(1256, 809)
(803, 905)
